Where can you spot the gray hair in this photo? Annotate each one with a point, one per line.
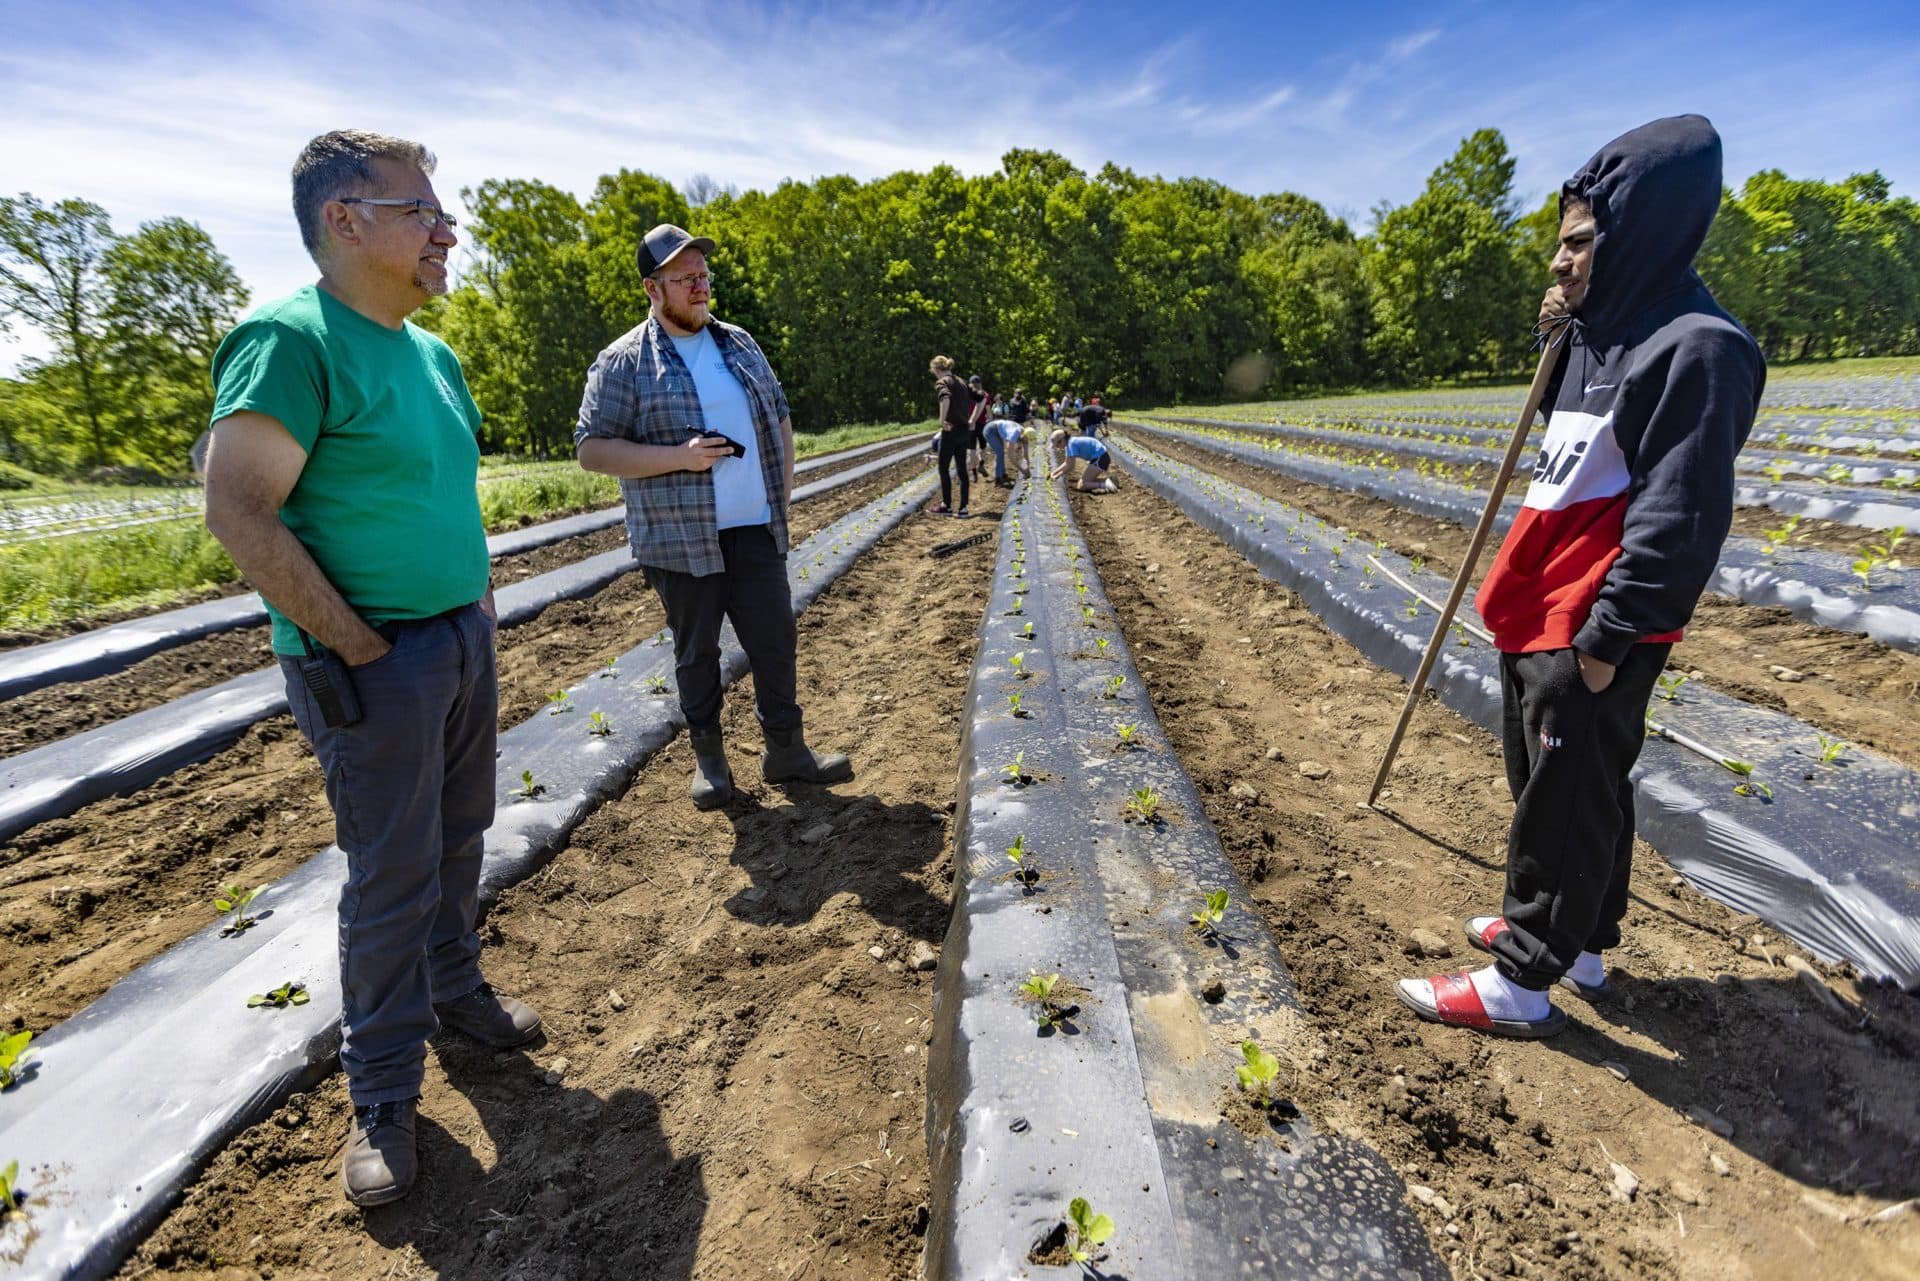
(339, 164)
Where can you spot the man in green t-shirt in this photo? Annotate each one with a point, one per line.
(341, 480)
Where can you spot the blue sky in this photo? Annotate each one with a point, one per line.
(165, 108)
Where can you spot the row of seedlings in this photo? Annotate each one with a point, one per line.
(56, 779)
(1864, 593)
(1754, 807)
(114, 648)
(1116, 1038)
(128, 1100)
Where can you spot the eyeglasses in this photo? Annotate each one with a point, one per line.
(692, 278)
(430, 216)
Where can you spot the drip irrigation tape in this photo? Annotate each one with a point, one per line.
(1816, 587)
(1123, 1103)
(134, 1094)
(122, 756)
(1827, 861)
(85, 655)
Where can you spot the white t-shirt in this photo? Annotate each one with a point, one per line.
(739, 489)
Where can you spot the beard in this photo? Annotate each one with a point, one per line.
(691, 317)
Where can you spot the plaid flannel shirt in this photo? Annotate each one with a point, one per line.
(640, 390)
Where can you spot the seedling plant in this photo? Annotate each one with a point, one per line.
(598, 725)
(235, 899)
(1831, 749)
(610, 669)
(1026, 869)
(279, 998)
(1258, 1073)
(1127, 731)
(1213, 910)
(1879, 556)
(1114, 685)
(1144, 805)
(1749, 785)
(558, 702)
(1015, 769)
(1090, 1230)
(9, 1189)
(656, 685)
(1051, 1013)
(13, 1058)
(1013, 701)
(1669, 684)
(1019, 664)
(528, 789)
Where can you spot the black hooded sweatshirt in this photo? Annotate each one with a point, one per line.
(1632, 495)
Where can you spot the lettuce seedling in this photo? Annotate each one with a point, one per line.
(1831, 749)
(1879, 556)
(1101, 644)
(1086, 614)
(1019, 664)
(1144, 804)
(288, 993)
(656, 684)
(609, 669)
(1669, 685)
(1258, 1073)
(13, 1058)
(528, 789)
(1460, 634)
(1213, 910)
(598, 725)
(9, 1189)
(1013, 701)
(234, 899)
(1114, 685)
(1015, 769)
(1027, 631)
(1126, 731)
(1090, 1230)
(1050, 1014)
(558, 702)
(1025, 868)
(1019, 605)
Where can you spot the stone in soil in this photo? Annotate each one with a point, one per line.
(922, 957)
(1424, 942)
(1314, 769)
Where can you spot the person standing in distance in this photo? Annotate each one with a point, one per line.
(340, 478)
(685, 410)
(956, 431)
(1616, 539)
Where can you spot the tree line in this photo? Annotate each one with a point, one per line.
(1147, 290)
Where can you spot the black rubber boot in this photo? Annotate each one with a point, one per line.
(712, 777)
(788, 759)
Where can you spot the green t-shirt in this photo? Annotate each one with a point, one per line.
(386, 503)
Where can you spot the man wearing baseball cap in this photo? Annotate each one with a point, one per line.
(685, 410)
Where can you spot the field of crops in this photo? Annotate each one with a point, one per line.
(1095, 954)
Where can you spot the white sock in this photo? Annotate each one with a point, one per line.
(1589, 970)
(1506, 999)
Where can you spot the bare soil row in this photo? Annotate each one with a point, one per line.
(87, 898)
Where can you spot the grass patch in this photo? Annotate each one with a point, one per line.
(811, 444)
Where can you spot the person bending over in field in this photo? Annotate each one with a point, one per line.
(341, 479)
(1008, 441)
(1630, 501)
(1097, 462)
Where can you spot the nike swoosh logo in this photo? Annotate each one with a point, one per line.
(1593, 387)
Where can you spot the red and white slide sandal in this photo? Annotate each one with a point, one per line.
(1453, 1000)
(1481, 931)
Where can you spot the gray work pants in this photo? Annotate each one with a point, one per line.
(411, 786)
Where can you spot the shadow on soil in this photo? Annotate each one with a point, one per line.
(874, 851)
(579, 1185)
(1800, 1113)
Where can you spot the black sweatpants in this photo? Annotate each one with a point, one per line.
(752, 595)
(953, 449)
(1570, 849)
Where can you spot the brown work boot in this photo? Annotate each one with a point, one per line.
(490, 1018)
(381, 1162)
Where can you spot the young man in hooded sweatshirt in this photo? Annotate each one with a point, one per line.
(1630, 501)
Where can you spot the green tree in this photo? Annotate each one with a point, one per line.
(51, 277)
(172, 296)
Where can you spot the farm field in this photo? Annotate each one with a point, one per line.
(742, 1026)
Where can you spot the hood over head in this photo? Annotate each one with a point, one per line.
(1654, 192)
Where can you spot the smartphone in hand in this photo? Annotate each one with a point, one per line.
(738, 450)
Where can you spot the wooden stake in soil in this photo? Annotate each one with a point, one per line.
(1549, 357)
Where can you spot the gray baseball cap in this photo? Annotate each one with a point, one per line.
(661, 245)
